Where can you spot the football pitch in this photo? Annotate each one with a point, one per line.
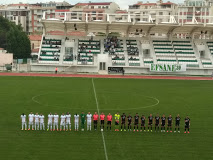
(45, 94)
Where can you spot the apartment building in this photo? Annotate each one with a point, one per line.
(195, 11)
(156, 12)
(29, 15)
(95, 11)
(62, 7)
(17, 13)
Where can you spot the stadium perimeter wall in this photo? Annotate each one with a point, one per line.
(128, 70)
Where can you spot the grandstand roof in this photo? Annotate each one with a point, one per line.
(101, 26)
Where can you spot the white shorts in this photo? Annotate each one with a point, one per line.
(37, 123)
(68, 122)
(50, 123)
(62, 123)
(89, 122)
(30, 122)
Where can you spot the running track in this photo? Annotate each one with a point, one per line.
(105, 76)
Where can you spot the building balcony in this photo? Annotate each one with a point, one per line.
(134, 7)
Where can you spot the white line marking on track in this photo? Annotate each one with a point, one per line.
(105, 150)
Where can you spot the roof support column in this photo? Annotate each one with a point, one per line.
(44, 29)
(65, 29)
(127, 32)
(107, 30)
(86, 29)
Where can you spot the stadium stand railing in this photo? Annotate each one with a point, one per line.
(126, 52)
(115, 48)
(147, 61)
(50, 51)
(210, 45)
(164, 52)
(185, 53)
(133, 53)
(206, 63)
(86, 51)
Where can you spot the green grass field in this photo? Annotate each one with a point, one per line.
(43, 94)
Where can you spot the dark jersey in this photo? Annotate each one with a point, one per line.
(150, 119)
(177, 119)
(187, 120)
(136, 119)
(157, 119)
(143, 120)
(129, 118)
(163, 119)
(169, 120)
(123, 118)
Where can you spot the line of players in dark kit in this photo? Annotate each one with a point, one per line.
(160, 123)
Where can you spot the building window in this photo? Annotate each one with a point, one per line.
(107, 7)
(99, 6)
(160, 13)
(92, 7)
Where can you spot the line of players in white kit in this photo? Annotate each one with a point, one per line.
(36, 121)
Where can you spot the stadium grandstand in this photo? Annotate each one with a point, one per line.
(80, 42)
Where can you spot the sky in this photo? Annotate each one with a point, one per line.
(122, 3)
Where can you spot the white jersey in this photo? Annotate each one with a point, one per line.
(41, 117)
(56, 118)
(76, 117)
(36, 118)
(89, 117)
(23, 118)
(50, 118)
(31, 117)
(68, 116)
(63, 117)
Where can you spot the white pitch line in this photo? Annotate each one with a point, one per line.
(105, 150)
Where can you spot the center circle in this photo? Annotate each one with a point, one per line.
(86, 101)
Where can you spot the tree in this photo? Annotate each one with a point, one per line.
(13, 39)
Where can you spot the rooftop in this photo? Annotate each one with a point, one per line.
(149, 4)
(85, 4)
(35, 37)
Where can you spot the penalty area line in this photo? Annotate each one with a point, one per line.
(96, 100)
